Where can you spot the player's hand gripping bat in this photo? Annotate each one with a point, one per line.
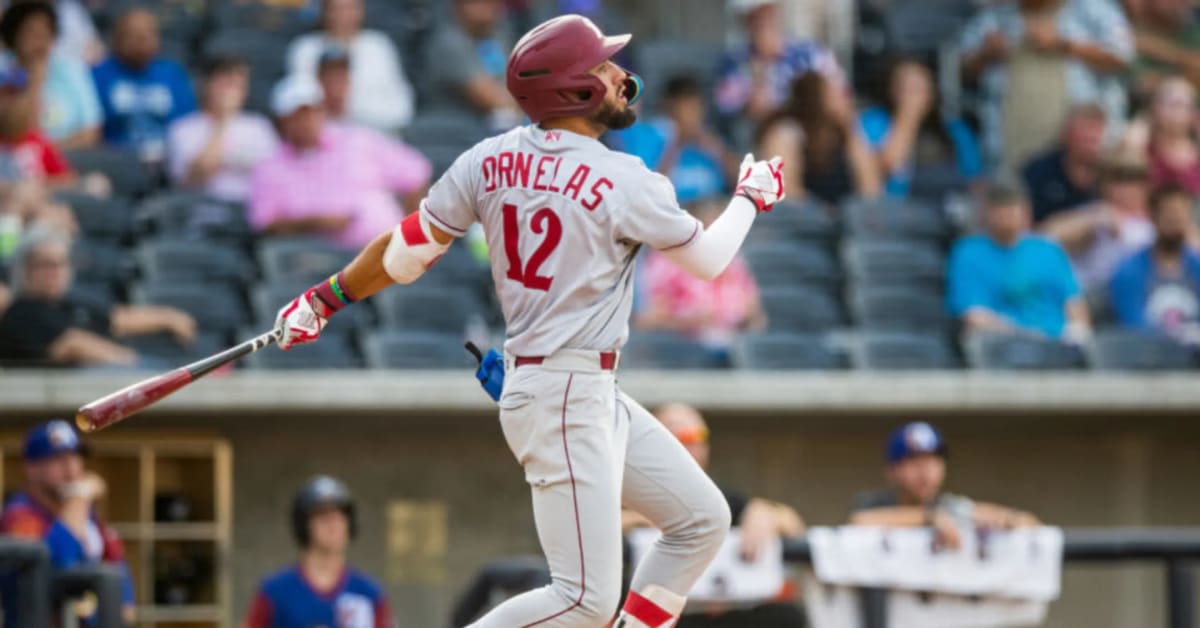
(122, 404)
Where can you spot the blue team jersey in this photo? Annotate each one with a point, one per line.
(288, 600)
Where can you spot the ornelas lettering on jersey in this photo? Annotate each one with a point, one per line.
(513, 169)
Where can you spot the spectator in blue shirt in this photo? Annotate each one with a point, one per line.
(755, 78)
(1158, 288)
(140, 91)
(911, 136)
(679, 145)
(1007, 279)
(69, 111)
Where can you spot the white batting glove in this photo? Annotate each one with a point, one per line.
(761, 182)
(297, 323)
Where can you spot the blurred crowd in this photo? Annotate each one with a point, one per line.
(970, 181)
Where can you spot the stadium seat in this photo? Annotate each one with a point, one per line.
(891, 218)
(174, 259)
(192, 216)
(801, 309)
(921, 26)
(784, 264)
(1130, 350)
(262, 16)
(1019, 352)
(900, 307)
(166, 348)
(394, 349)
(98, 261)
(334, 352)
(130, 177)
(898, 350)
(785, 351)
(659, 60)
(103, 219)
(889, 260)
(791, 220)
(442, 136)
(665, 350)
(217, 307)
(302, 258)
(97, 294)
(447, 310)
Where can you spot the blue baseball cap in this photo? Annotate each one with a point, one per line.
(51, 439)
(913, 439)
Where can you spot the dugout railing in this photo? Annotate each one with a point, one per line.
(39, 588)
(1176, 549)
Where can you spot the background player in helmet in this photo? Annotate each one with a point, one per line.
(564, 218)
(320, 590)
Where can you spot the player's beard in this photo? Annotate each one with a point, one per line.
(614, 117)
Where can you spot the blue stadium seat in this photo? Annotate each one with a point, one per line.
(1019, 352)
(416, 307)
(394, 349)
(130, 177)
(1130, 350)
(665, 350)
(443, 135)
(785, 264)
(898, 350)
(173, 259)
(785, 351)
(217, 307)
(801, 309)
(921, 26)
(900, 307)
(261, 16)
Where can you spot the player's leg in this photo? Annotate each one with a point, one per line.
(664, 484)
(561, 427)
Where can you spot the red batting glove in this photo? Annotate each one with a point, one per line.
(761, 182)
(298, 323)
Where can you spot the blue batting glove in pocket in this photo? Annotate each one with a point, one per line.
(491, 371)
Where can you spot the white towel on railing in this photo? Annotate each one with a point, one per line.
(1020, 564)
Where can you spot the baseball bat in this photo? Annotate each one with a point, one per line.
(122, 404)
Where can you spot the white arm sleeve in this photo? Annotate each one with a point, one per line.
(710, 253)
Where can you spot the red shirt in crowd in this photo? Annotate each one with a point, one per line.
(36, 157)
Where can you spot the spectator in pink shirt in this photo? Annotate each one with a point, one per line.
(328, 179)
(709, 312)
(217, 148)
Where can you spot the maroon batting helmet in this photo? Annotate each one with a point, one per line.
(548, 69)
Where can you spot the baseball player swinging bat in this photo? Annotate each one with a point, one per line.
(122, 404)
(564, 218)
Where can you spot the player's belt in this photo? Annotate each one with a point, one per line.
(608, 360)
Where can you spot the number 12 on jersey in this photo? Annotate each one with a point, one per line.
(544, 221)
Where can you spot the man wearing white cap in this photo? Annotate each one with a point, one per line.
(754, 77)
(331, 180)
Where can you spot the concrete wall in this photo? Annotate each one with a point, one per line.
(1082, 470)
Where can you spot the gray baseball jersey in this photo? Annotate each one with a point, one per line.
(564, 217)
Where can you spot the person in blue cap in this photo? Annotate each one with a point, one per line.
(916, 473)
(56, 507)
